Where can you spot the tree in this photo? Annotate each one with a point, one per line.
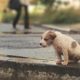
(47, 2)
(34, 1)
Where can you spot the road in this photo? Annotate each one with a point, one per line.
(22, 58)
(26, 45)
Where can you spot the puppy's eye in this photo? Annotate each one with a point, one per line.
(46, 39)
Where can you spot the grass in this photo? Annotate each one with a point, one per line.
(68, 16)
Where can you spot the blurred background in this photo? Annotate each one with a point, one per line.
(61, 15)
(46, 12)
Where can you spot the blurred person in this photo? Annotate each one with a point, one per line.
(18, 5)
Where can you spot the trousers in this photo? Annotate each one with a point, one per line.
(26, 17)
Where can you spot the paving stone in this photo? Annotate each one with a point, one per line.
(26, 44)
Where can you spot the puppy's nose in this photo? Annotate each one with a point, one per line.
(40, 43)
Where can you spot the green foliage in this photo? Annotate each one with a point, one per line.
(66, 16)
(62, 16)
(56, 16)
(47, 2)
(8, 17)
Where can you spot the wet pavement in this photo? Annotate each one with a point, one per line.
(26, 45)
(22, 58)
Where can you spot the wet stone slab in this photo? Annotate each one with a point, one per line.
(24, 45)
(15, 48)
(18, 42)
(23, 41)
(17, 71)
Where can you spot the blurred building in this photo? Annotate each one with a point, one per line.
(67, 4)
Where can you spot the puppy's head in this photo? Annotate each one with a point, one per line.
(47, 38)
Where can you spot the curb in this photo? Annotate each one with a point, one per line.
(27, 71)
(22, 64)
(57, 28)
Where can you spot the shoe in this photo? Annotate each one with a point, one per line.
(27, 31)
(13, 30)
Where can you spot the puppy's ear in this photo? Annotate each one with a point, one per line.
(52, 35)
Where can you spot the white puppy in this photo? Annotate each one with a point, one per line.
(63, 44)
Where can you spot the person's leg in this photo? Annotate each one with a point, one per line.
(26, 18)
(15, 21)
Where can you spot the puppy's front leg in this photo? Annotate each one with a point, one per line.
(59, 59)
(66, 57)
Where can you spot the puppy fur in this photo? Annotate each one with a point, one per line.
(63, 44)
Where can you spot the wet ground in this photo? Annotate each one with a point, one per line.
(24, 44)
(15, 47)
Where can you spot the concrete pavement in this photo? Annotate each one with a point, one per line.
(26, 45)
(22, 58)
(61, 28)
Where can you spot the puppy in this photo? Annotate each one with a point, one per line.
(63, 44)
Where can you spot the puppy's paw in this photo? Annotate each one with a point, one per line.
(65, 63)
(58, 61)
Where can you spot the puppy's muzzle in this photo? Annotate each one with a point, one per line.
(41, 44)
